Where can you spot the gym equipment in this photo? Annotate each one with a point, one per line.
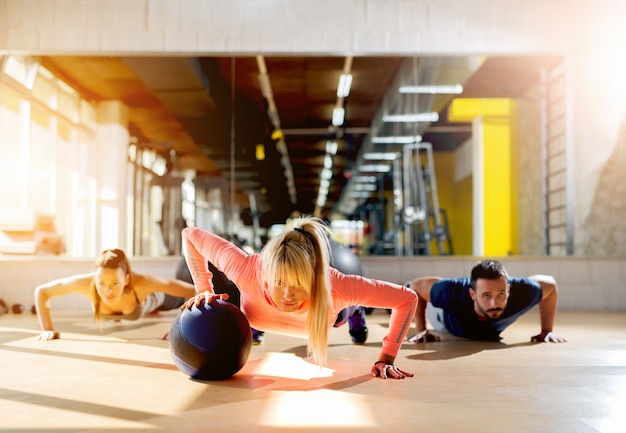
(19, 309)
(344, 260)
(210, 342)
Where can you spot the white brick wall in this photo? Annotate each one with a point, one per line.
(311, 26)
(584, 283)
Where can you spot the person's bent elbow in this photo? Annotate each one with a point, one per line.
(40, 295)
(186, 233)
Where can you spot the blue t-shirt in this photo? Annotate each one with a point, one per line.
(460, 319)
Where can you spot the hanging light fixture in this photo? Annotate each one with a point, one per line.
(453, 89)
(414, 117)
(343, 88)
(381, 156)
(375, 168)
(398, 139)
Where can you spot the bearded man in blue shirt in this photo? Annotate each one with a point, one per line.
(481, 306)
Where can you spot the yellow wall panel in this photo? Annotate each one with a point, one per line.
(461, 218)
(456, 199)
(497, 186)
(444, 171)
(499, 193)
(467, 109)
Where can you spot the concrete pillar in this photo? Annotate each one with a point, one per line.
(112, 138)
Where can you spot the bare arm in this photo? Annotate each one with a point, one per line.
(145, 284)
(422, 287)
(384, 366)
(547, 308)
(64, 286)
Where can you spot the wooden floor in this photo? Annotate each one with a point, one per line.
(123, 380)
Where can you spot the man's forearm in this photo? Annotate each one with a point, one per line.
(420, 315)
(547, 311)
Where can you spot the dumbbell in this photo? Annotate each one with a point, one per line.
(19, 309)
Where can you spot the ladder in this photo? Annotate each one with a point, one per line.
(420, 222)
(557, 156)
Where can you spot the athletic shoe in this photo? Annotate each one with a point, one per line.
(257, 337)
(342, 317)
(358, 327)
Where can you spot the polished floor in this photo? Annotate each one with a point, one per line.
(123, 380)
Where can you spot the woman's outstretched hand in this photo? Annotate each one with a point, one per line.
(49, 335)
(202, 297)
(386, 370)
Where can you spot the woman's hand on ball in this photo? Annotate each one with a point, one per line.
(202, 297)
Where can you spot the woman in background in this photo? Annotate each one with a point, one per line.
(115, 292)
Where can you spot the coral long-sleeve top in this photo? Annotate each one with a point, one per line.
(244, 270)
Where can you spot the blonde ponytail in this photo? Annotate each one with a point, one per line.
(302, 255)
